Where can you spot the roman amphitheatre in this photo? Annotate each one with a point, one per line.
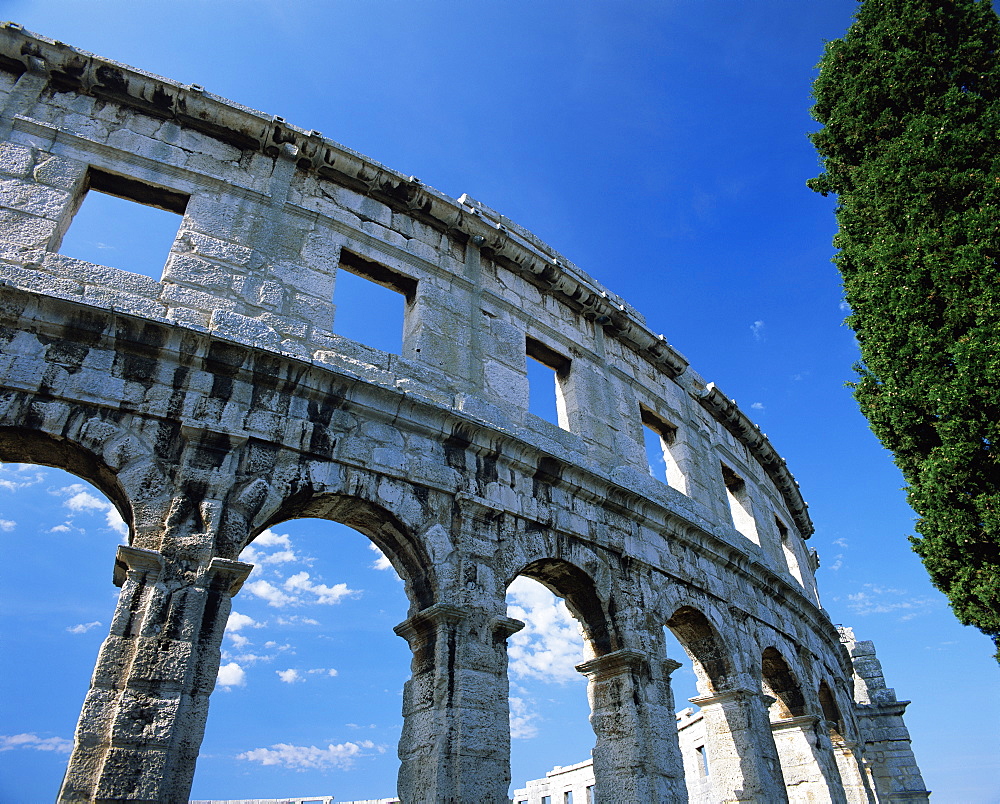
(217, 402)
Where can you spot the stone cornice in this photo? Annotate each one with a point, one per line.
(726, 412)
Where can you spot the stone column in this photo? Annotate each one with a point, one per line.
(807, 763)
(637, 756)
(742, 759)
(455, 745)
(144, 716)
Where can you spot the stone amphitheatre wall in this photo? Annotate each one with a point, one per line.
(218, 401)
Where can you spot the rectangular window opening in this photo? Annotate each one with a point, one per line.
(789, 551)
(660, 439)
(702, 760)
(739, 504)
(124, 223)
(371, 303)
(548, 372)
(591, 796)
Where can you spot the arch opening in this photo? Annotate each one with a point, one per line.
(550, 712)
(708, 673)
(780, 684)
(20, 445)
(393, 539)
(58, 537)
(703, 645)
(309, 686)
(831, 712)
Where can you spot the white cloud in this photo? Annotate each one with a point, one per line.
(840, 542)
(328, 671)
(886, 600)
(295, 618)
(81, 501)
(300, 757)
(231, 675)
(7, 524)
(269, 592)
(551, 643)
(845, 307)
(15, 476)
(60, 529)
(239, 640)
(299, 582)
(269, 538)
(757, 406)
(838, 562)
(382, 562)
(237, 622)
(251, 555)
(82, 628)
(289, 676)
(521, 725)
(58, 744)
(757, 328)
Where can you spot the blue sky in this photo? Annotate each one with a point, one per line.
(660, 146)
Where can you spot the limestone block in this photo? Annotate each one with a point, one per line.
(46, 202)
(384, 234)
(178, 295)
(155, 150)
(225, 216)
(212, 248)
(26, 229)
(16, 160)
(39, 280)
(125, 302)
(199, 143)
(186, 268)
(58, 171)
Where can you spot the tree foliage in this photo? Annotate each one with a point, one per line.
(910, 103)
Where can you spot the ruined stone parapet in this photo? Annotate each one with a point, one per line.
(217, 401)
(887, 750)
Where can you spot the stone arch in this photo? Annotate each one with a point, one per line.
(21, 445)
(780, 683)
(408, 555)
(706, 648)
(579, 590)
(831, 712)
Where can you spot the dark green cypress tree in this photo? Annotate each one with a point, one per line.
(910, 103)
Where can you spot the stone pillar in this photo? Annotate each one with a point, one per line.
(455, 745)
(807, 763)
(854, 775)
(144, 717)
(742, 759)
(637, 756)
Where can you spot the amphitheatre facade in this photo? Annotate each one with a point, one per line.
(217, 401)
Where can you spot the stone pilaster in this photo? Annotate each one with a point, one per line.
(637, 756)
(742, 759)
(807, 762)
(144, 716)
(455, 745)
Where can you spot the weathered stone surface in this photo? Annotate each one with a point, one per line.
(217, 400)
